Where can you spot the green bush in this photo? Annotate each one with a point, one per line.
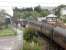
(64, 20)
(29, 37)
(28, 34)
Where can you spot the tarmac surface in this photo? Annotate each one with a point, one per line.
(12, 42)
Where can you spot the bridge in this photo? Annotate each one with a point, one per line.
(54, 32)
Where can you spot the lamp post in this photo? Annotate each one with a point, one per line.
(19, 35)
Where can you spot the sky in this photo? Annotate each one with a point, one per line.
(9, 4)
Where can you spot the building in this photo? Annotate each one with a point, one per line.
(51, 18)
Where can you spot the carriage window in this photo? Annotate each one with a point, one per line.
(64, 39)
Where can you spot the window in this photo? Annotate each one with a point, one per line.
(64, 39)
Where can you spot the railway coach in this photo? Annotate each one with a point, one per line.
(57, 33)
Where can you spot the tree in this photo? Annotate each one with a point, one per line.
(2, 16)
(58, 12)
(27, 9)
(37, 8)
(44, 13)
(29, 13)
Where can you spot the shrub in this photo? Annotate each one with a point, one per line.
(28, 34)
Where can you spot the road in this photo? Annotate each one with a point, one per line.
(12, 42)
(7, 43)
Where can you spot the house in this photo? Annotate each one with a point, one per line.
(51, 18)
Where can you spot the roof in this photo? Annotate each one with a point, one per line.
(60, 30)
(51, 15)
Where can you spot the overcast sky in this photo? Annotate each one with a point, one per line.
(9, 4)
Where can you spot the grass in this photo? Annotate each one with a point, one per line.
(64, 20)
(7, 32)
(27, 46)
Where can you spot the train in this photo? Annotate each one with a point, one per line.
(56, 33)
